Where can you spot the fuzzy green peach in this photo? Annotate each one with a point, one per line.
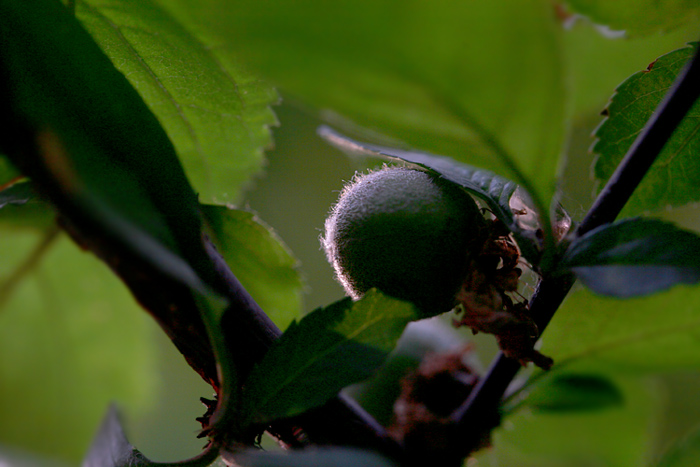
(406, 232)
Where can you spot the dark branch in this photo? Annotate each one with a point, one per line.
(479, 413)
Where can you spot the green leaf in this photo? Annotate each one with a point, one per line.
(497, 192)
(215, 112)
(324, 457)
(635, 257)
(481, 82)
(564, 393)
(674, 177)
(647, 335)
(327, 350)
(637, 17)
(684, 453)
(72, 340)
(81, 132)
(259, 259)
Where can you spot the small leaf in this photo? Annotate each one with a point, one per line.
(564, 393)
(637, 17)
(259, 259)
(327, 350)
(215, 112)
(635, 257)
(111, 448)
(675, 175)
(324, 457)
(496, 191)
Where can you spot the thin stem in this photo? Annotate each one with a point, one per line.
(479, 413)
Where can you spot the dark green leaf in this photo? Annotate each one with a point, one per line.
(674, 177)
(421, 73)
(327, 350)
(638, 16)
(81, 132)
(216, 114)
(635, 257)
(497, 192)
(259, 259)
(563, 393)
(328, 457)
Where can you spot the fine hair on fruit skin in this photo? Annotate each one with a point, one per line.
(406, 232)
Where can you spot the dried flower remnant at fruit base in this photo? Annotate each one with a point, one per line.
(457, 259)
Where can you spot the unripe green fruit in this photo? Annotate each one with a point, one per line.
(407, 233)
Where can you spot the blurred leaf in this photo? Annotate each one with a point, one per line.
(635, 257)
(325, 457)
(327, 350)
(72, 340)
(565, 393)
(110, 448)
(685, 453)
(478, 81)
(637, 336)
(494, 190)
(674, 177)
(638, 16)
(259, 259)
(216, 114)
(620, 435)
(82, 133)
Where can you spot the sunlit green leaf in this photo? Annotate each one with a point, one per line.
(216, 114)
(455, 78)
(327, 350)
(72, 340)
(638, 335)
(635, 257)
(638, 16)
(674, 177)
(260, 260)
